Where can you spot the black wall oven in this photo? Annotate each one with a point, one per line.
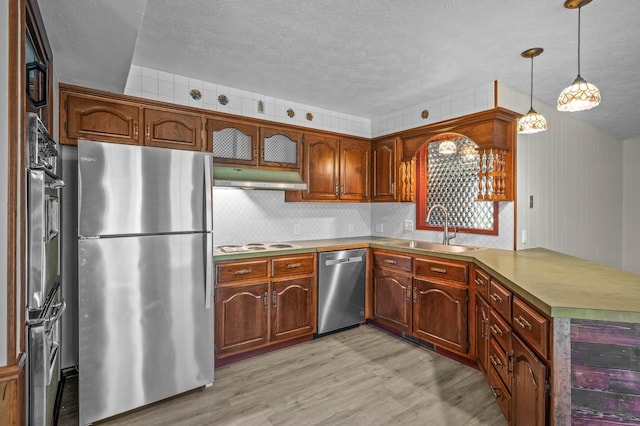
(44, 302)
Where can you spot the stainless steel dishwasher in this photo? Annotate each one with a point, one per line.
(341, 289)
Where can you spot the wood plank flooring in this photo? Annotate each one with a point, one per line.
(361, 376)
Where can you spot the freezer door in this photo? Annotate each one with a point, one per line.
(126, 189)
(146, 326)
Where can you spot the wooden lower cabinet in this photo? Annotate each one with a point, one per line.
(241, 317)
(292, 313)
(440, 314)
(529, 392)
(263, 301)
(393, 299)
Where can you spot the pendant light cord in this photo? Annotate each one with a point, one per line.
(531, 92)
(579, 9)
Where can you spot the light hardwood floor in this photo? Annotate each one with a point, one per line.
(361, 376)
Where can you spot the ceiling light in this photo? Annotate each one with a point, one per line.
(532, 122)
(469, 151)
(580, 95)
(447, 147)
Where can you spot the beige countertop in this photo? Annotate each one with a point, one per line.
(559, 285)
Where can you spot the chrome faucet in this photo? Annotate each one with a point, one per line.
(445, 236)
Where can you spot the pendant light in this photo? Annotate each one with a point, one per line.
(532, 122)
(581, 95)
(447, 147)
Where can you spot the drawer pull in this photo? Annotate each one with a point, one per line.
(294, 265)
(496, 330)
(438, 270)
(523, 323)
(243, 271)
(390, 261)
(496, 298)
(495, 361)
(496, 393)
(479, 281)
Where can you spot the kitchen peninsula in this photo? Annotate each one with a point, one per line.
(590, 306)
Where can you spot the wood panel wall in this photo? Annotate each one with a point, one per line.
(605, 373)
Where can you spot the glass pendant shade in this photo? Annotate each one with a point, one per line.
(469, 151)
(532, 122)
(447, 147)
(580, 96)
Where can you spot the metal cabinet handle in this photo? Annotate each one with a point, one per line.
(408, 293)
(243, 271)
(294, 265)
(496, 330)
(265, 300)
(135, 130)
(274, 298)
(393, 188)
(483, 328)
(496, 298)
(438, 270)
(337, 189)
(479, 281)
(147, 131)
(495, 361)
(390, 261)
(510, 362)
(415, 294)
(523, 322)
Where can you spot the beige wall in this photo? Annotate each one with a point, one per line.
(574, 173)
(631, 209)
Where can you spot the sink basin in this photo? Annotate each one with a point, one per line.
(425, 245)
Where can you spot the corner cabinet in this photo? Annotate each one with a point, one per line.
(263, 301)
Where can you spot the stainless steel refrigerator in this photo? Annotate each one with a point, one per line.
(145, 276)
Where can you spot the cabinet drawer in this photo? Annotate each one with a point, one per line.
(501, 394)
(296, 265)
(481, 282)
(239, 271)
(395, 261)
(441, 270)
(500, 298)
(500, 363)
(532, 326)
(500, 331)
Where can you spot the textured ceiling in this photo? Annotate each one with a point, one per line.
(360, 57)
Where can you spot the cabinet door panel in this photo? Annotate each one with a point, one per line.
(482, 334)
(241, 317)
(354, 170)
(101, 120)
(440, 314)
(321, 168)
(292, 308)
(384, 171)
(392, 299)
(232, 142)
(280, 148)
(171, 129)
(529, 387)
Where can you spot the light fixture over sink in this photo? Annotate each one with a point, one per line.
(532, 122)
(581, 95)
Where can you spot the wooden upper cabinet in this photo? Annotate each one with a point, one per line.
(280, 148)
(321, 167)
(355, 161)
(172, 129)
(336, 169)
(232, 142)
(88, 117)
(385, 170)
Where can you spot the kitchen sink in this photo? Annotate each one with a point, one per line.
(425, 245)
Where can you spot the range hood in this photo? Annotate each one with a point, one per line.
(234, 177)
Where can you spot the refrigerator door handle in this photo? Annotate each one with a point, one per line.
(208, 187)
(208, 279)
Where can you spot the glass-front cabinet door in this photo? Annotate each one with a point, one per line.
(233, 142)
